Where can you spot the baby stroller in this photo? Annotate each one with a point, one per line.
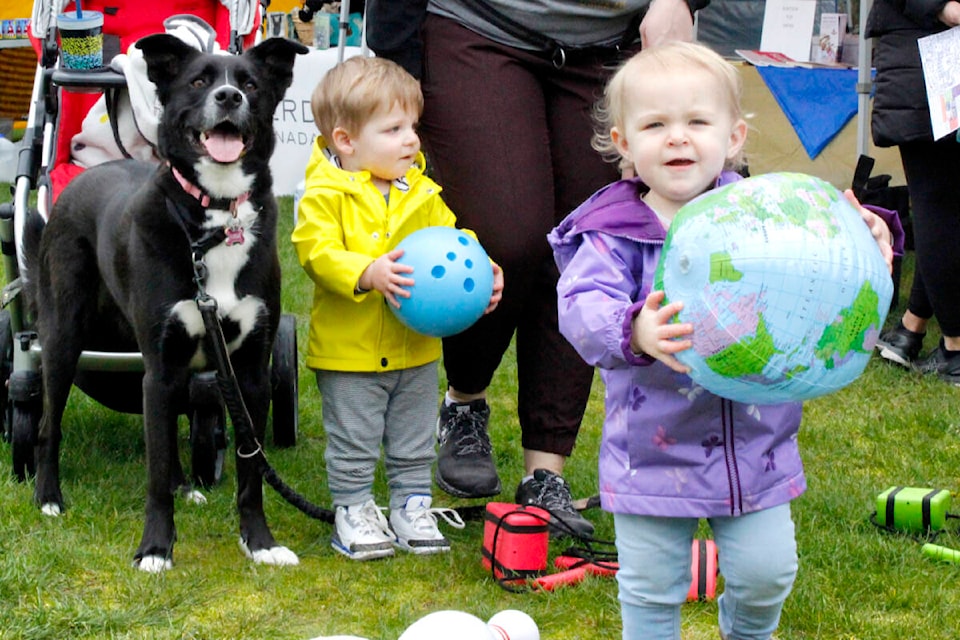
(59, 144)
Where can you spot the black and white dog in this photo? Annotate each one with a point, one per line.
(114, 268)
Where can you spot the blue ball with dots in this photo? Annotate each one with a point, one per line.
(453, 281)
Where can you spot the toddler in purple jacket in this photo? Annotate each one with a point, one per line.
(672, 452)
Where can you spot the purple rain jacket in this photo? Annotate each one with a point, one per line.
(670, 447)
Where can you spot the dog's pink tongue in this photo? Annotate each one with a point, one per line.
(223, 147)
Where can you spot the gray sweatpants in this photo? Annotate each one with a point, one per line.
(361, 412)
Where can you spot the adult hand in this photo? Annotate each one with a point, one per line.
(654, 334)
(878, 229)
(666, 20)
(950, 14)
(385, 275)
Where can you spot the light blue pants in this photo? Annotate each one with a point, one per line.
(362, 412)
(757, 555)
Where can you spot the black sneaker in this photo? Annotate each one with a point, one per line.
(551, 492)
(465, 466)
(944, 364)
(900, 345)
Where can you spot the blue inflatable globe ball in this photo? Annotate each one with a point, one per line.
(453, 281)
(785, 287)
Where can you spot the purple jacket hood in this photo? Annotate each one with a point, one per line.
(616, 210)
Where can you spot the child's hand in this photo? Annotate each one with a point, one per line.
(497, 288)
(653, 332)
(384, 275)
(878, 229)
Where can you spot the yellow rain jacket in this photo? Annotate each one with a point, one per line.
(343, 224)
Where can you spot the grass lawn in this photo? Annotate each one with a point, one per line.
(71, 577)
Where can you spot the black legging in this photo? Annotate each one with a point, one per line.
(508, 137)
(932, 170)
(918, 303)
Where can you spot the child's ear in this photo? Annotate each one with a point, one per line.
(620, 142)
(341, 141)
(738, 137)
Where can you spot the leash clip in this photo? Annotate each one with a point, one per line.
(199, 277)
(205, 301)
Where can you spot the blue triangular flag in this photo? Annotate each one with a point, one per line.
(817, 102)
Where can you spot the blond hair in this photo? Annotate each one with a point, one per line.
(675, 57)
(357, 89)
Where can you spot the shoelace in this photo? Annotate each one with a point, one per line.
(554, 495)
(471, 436)
(425, 519)
(370, 520)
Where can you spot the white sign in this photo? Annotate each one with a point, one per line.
(938, 56)
(293, 123)
(788, 28)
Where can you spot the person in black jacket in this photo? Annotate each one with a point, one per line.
(901, 118)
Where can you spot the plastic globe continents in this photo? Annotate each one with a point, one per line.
(453, 281)
(784, 284)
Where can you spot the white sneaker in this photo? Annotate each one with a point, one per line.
(361, 532)
(415, 525)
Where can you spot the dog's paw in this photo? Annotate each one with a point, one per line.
(153, 564)
(194, 496)
(51, 509)
(277, 556)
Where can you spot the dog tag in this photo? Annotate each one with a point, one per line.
(234, 233)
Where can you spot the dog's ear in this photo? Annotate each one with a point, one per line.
(165, 56)
(277, 55)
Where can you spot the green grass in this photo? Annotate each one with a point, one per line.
(71, 577)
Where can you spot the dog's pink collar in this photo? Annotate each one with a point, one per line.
(196, 192)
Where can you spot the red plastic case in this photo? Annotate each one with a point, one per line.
(515, 540)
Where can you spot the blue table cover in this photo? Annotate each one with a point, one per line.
(817, 102)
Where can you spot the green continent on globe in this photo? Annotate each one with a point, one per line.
(806, 209)
(799, 211)
(847, 333)
(748, 356)
(722, 269)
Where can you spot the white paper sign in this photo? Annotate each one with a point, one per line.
(293, 122)
(938, 56)
(788, 27)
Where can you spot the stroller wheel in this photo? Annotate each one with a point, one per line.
(208, 438)
(6, 367)
(208, 446)
(24, 426)
(284, 382)
(25, 397)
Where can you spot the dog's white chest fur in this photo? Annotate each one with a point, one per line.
(223, 265)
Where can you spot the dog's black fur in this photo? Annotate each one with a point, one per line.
(113, 269)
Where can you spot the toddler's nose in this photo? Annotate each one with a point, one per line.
(678, 135)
